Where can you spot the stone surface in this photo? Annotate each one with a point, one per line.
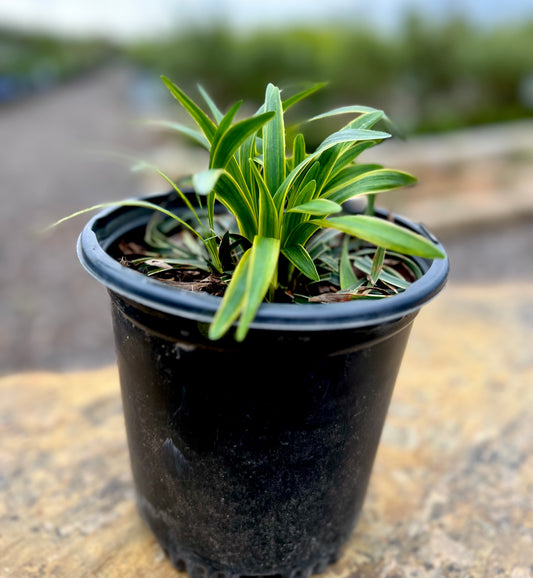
(451, 493)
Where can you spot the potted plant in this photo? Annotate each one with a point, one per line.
(259, 328)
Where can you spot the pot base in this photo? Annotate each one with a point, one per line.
(185, 560)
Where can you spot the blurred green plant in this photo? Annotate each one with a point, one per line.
(31, 62)
(432, 76)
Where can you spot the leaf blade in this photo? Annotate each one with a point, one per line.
(317, 207)
(194, 135)
(352, 109)
(235, 136)
(377, 265)
(347, 275)
(264, 256)
(223, 127)
(349, 184)
(267, 213)
(300, 258)
(215, 111)
(274, 141)
(348, 135)
(204, 182)
(207, 126)
(233, 300)
(383, 233)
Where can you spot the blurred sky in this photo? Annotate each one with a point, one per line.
(128, 19)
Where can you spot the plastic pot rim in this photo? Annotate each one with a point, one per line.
(93, 243)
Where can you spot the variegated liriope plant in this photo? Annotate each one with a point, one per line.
(288, 209)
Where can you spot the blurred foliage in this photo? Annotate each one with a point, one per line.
(32, 62)
(427, 76)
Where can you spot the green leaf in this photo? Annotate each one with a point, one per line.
(233, 300)
(383, 234)
(354, 109)
(306, 190)
(363, 111)
(144, 165)
(207, 126)
(346, 273)
(274, 141)
(298, 150)
(215, 111)
(349, 154)
(268, 216)
(234, 137)
(234, 169)
(348, 135)
(377, 265)
(318, 207)
(261, 271)
(366, 120)
(204, 182)
(391, 277)
(348, 176)
(236, 201)
(348, 184)
(304, 193)
(195, 135)
(301, 259)
(231, 196)
(300, 234)
(246, 154)
(224, 125)
(129, 203)
(327, 161)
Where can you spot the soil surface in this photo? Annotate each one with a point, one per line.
(55, 161)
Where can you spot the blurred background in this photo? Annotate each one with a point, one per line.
(79, 81)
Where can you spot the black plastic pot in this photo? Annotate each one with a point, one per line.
(252, 458)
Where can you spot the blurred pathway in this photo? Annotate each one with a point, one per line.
(52, 315)
(55, 317)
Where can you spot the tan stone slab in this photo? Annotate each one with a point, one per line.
(451, 493)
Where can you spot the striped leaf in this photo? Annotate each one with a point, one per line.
(353, 109)
(268, 216)
(349, 183)
(233, 301)
(298, 150)
(383, 234)
(230, 194)
(215, 111)
(317, 207)
(377, 265)
(207, 126)
(348, 135)
(204, 182)
(264, 256)
(346, 273)
(194, 135)
(274, 141)
(234, 137)
(301, 259)
(225, 123)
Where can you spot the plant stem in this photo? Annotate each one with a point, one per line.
(370, 205)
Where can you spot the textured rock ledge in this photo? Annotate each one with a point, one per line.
(451, 493)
